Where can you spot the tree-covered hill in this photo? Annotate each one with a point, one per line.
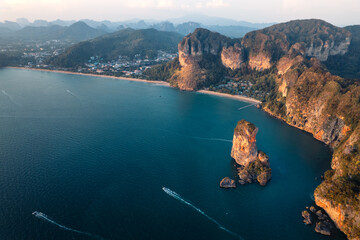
(126, 42)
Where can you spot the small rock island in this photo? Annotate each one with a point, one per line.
(227, 183)
(253, 165)
(322, 221)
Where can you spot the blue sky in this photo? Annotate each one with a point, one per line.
(344, 12)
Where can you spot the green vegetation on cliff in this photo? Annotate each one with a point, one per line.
(347, 65)
(163, 72)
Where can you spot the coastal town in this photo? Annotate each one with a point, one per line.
(35, 56)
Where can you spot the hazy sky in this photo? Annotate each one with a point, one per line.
(339, 12)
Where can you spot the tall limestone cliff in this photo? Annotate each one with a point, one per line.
(205, 56)
(328, 106)
(253, 164)
(308, 38)
(200, 57)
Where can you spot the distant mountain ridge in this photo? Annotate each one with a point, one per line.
(76, 32)
(232, 28)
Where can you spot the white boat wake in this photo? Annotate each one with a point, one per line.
(9, 97)
(72, 94)
(46, 218)
(247, 106)
(178, 197)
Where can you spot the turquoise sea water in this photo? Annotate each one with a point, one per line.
(93, 155)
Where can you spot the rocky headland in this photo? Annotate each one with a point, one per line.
(227, 183)
(294, 63)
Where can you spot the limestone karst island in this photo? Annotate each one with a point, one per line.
(167, 119)
(252, 165)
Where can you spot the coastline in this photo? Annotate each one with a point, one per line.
(95, 75)
(235, 97)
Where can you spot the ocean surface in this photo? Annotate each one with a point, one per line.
(90, 156)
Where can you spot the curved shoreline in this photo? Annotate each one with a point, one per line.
(235, 97)
(94, 75)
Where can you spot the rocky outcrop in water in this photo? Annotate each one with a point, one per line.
(252, 165)
(227, 183)
(307, 217)
(323, 224)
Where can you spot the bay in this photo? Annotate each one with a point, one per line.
(93, 155)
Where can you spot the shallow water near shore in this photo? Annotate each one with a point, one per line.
(93, 155)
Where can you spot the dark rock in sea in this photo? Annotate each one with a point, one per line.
(321, 215)
(307, 217)
(313, 209)
(264, 177)
(324, 227)
(244, 176)
(227, 183)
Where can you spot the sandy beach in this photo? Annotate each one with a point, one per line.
(235, 97)
(95, 75)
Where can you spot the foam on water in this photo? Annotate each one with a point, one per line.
(46, 218)
(253, 104)
(178, 197)
(9, 97)
(72, 94)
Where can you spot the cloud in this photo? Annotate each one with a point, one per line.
(140, 4)
(216, 4)
(199, 5)
(185, 6)
(159, 4)
(165, 4)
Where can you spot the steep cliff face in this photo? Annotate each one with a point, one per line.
(311, 38)
(202, 42)
(307, 96)
(232, 57)
(199, 49)
(264, 48)
(347, 65)
(244, 149)
(322, 104)
(258, 50)
(339, 194)
(253, 164)
(320, 39)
